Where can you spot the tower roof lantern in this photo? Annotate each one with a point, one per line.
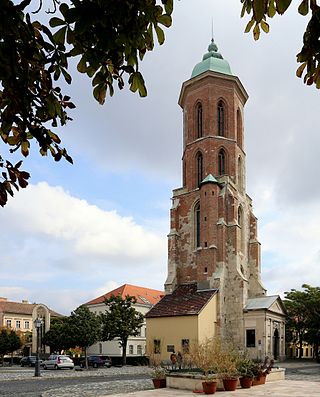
(212, 61)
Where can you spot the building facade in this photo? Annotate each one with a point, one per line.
(21, 316)
(213, 236)
(146, 298)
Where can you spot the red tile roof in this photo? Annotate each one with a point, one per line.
(21, 308)
(145, 296)
(184, 301)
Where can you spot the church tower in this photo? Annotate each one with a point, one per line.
(213, 235)
(214, 284)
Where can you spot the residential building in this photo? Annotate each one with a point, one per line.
(145, 299)
(20, 316)
(214, 285)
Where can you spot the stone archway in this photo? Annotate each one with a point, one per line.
(276, 346)
(40, 311)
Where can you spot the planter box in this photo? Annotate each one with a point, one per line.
(191, 381)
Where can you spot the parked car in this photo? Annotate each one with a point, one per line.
(58, 361)
(96, 361)
(29, 361)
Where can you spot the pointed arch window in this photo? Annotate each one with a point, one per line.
(197, 217)
(199, 168)
(239, 129)
(199, 120)
(240, 174)
(222, 162)
(221, 119)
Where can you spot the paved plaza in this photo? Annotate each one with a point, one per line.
(302, 380)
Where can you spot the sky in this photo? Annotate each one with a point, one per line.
(79, 231)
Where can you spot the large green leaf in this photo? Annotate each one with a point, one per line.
(258, 9)
(160, 35)
(165, 20)
(282, 5)
(304, 7)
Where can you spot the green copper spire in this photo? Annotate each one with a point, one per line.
(213, 61)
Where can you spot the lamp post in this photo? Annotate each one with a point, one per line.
(37, 324)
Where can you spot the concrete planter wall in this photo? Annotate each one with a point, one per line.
(189, 381)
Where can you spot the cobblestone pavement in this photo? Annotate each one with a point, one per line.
(306, 371)
(12, 373)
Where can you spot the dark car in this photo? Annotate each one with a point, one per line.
(96, 361)
(29, 361)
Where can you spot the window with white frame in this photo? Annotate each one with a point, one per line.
(26, 324)
(130, 349)
(18, 324)
(8, 323)
(139, 350)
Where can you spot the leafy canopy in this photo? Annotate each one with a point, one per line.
(261, 11)
(120, 321)
(107, 38)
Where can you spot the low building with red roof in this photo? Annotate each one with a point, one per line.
(146, 298)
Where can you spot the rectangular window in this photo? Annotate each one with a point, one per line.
(307, 352)
(251, 337)
(130, 349)
(185, 345)
(139, 350)
(26, 325)
(18, 324)
(170, 348)
(9, 323)
(156, 346)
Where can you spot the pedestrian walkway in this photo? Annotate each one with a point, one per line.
(283, 388)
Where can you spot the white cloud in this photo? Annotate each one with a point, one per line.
(85, 229)
(63, 247)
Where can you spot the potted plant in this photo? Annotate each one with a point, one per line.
(158, 375)
(261, 370)
(245, 369)
(227, 367)
(204, 356)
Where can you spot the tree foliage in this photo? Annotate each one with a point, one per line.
(303, 319)
(84, 328)
(120, 321)
(108, 40)
(58, 336)
(261, 11)
(9, 342)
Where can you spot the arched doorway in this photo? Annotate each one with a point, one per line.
(276, 344)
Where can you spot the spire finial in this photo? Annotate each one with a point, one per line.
(212, 30)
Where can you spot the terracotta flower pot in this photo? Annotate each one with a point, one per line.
(209, 387)
(230, 384)
(159, 383)
(246, 382)
(259, 380)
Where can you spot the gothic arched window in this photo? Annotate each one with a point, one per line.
(222, 162)
(199, 120)
(199, 168)
(221, 119)
(239, 129)
(240, 174)
(197, 219)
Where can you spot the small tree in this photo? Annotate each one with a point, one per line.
(58, 336)
(15, 343)
(84, 328)
(120, 321)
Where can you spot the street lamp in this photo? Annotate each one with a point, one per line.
(37, 324)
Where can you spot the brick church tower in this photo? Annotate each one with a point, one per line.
(213, 236)
(214, 273)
